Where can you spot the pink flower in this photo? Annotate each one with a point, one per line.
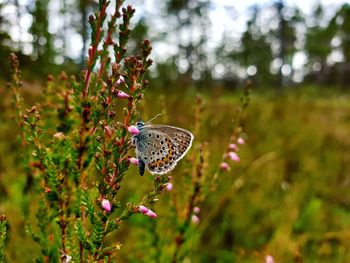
(234, 156)
(134, 161)
(269, 259)
(195, 219)
(143, 209)
(224, 166)
(151, 214)
(196, 210)
(147, 212)
(120, 80)
(240, 140)
(58, 135)
(122, 94)
(169, 186)
(233, 146)
(133, 130)
(106, 205)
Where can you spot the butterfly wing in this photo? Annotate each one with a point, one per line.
(160, 147)
(181, 138)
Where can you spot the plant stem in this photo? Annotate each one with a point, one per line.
(180, 238)
(93, 49)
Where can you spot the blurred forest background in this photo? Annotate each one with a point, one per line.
(289, 195)
(274, 43)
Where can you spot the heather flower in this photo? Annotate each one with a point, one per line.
(143, 209)
(122, 95)
(151, 214)
(269, 259)
(225, 166)
(120, 80)
(169, 186)
(134, 161)
(241, 140)
(234, 156)
(195, 219)
(147, 212)
(106, 205)
(196, 209)
(58, 135)
(133, 130)
(233, 146)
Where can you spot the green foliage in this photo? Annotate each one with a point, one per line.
(76, 148)
(288, 196)
(3, 236)
(78, 154)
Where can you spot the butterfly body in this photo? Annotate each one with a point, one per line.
(160, 147)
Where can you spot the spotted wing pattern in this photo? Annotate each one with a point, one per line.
(160, 147)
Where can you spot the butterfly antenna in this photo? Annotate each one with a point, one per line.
(154, 118)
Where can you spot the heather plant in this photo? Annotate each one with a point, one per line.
(188, 191)
(3, 235)
(77, 149)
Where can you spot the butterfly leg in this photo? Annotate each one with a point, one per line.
(141, 167)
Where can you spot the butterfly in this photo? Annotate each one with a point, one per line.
(160, 147)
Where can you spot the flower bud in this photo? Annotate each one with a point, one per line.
(234, 156)
(106, 205)
(58, 135)
(195, 219)
(224, 166)
(122, 95)
(133, 130)
(196, 209)
(143, 209)
(169, 186)
(269, 259)
(134, 161)
(233, 146)
(240, 140)
(147, 212)
(120, 80)
(151, 214)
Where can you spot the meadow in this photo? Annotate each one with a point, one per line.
(287, 197)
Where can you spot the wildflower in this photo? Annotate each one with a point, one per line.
(195, 219)
(241, 140)
(196, 209)
(134, 161)
(269, 259)
(106, 205)
(122, 94)
(151, 214)
(133, 130)
(58, 135)
(169, 186)
(143, 209)
(224, 166)
(120, 80)
(147, 212)
(234, 156)
(233, 146)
